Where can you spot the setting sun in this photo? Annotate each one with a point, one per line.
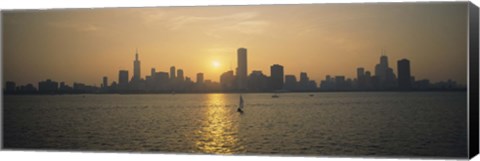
(216, 64)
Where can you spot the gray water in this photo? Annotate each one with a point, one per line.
(379, 124)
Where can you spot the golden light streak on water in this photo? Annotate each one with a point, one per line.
(218, 134)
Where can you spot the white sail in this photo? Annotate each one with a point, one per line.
(241, 102)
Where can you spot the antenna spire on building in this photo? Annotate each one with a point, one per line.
(136, 53)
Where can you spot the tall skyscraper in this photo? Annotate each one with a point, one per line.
(360, 73)
(384, 76)
(404, 77)
(123, 79)
(361, 79)
(381, 68)
(136, 68)
(180, 76)
(172, 73)
(105, 82)
(199, 78)
(242, 68)
(276, 77)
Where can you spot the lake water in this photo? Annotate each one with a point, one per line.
(378, 124)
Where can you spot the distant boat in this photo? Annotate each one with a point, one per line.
(240, 105)
(311, 95)
(275, 96)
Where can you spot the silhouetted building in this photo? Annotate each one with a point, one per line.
(64, 88)
(162, 81)
(152, 73)
(10, 87)
(82, 88)
(136, 68)
(404, 77)
(172, 73)
(422, 84)
(290, 82)
(47, 86)
(328, 83)
(123, 79)
(305, 84)
(257, 81)
(385, 78)
(227, 81)
(445, 85)
(360, 73)
(361, 78)
(212, 86)
(180, 76)
(105, 82)
(199, 78)
(381, 68)
(276, 77)
(340, 83)
(26, 89)
(242, 68)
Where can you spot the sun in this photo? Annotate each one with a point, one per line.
(216, 64)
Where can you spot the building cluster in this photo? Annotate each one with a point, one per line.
(384, 79)
(239, 80)
(49, 87)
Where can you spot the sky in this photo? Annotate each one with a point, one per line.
(83, 45)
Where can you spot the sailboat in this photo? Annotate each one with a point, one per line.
(240, 105)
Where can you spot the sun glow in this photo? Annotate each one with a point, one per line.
(216, 64)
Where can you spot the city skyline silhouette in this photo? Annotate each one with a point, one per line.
(383, 78)
(72, 46)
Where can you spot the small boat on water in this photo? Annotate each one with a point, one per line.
(311, 95)
(275, 96)
(240, 105)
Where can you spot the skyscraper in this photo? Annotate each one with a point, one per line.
(227, 80)
(180, 76)
(276, 77)
(360, 73)
(199, 78)
(136, 68)
(404, 77)
(105, 82)
(47, 86)
(152, 72)
(172, 73)
(123, 79)
(242, 68)
(290, 82)
(257, 81)
(361, 80)
(304, 83)
(381, 68)
(384, 76)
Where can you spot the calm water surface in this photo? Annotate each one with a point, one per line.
(423, 124)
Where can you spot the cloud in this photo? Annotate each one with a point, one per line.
(244, 23)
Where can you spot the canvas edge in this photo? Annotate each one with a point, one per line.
(473, 112)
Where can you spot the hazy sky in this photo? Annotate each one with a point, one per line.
(83, 45)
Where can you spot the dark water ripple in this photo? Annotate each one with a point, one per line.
(349, 124)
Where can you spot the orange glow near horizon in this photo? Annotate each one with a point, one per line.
(83, 45)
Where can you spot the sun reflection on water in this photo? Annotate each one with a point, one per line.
(219, 133)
